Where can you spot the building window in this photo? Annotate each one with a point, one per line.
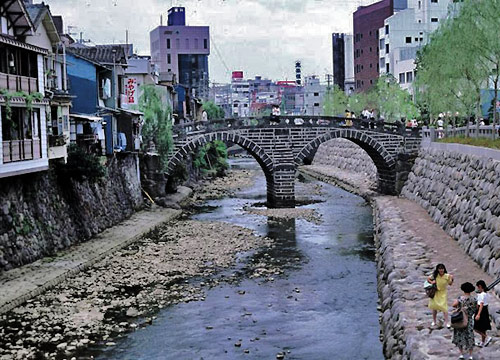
(316, 104)
(371, 65)
(401, 78)
(196, 43)
(168, 43)
(416, 39)
(370, 33)
(419, 5)
(387, 48)
(169, 59)
(387, 29)
(177, 43)
(434, 19)
(408, 39)
(434, 1)
(409, 77)
(316, 94)
(387, 68)
(371, 82)
(205, 43)
(370, 49)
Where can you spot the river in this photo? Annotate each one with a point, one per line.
(322, 306)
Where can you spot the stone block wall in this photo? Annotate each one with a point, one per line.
(461, 192)
(40, 214)
(346, 155)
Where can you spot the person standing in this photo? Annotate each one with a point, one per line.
(482, 318)
(439, 302)
(464, 338)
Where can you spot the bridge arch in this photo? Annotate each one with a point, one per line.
(383, 160)
(263, 159)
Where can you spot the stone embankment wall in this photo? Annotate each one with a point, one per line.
(346, 155)
(461, 192)
(41, 214)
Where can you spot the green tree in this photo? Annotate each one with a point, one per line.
(393, 103)
(335, 102)
(213, 111)
(212, 158)
(157, 126)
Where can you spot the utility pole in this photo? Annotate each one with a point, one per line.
(329, 79)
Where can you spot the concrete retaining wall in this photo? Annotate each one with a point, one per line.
(461, 192)
(40, 214)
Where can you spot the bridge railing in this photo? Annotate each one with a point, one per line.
(433, 134)
(200, 127)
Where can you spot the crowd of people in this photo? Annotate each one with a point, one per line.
(474, 306)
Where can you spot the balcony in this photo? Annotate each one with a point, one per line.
(15, 83)
(21, 150)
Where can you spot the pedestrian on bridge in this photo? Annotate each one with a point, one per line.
(439, 302)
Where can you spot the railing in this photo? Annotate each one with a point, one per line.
(486, 131)
(193, 128)
(18, 83)
(21, 150)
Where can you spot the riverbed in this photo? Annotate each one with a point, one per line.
(312, 295)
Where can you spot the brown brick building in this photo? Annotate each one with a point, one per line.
(367, 21)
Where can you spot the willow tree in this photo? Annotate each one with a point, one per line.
(157, 128)
(483, 18)
(393, 103)
(335, 102)
(450, 72)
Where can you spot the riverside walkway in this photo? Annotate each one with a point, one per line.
(413, 244)
(21, 284)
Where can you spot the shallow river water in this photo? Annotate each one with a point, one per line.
(324, 305)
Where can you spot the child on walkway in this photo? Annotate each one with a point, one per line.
(439, 302)
(482, 318)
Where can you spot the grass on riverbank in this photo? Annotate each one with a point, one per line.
(481, 141)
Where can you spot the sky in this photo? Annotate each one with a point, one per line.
(258, 37)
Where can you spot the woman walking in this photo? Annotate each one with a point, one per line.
(482, 318)
(464, 338)
(439, 302)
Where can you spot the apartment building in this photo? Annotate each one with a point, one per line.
(404, 33)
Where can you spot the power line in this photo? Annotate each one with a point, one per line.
(219, 55)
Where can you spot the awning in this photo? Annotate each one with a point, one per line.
(10, 41)
(132, 112)
(86, 117)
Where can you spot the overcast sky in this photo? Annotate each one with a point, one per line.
(259, 37)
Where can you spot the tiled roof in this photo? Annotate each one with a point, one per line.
(104, 54)
(36, 13)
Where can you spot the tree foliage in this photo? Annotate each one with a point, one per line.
(335, 102)
(212, 158)
(213, 111)
(461, 59)
(157, 128)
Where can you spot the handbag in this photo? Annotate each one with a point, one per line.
(458, 318)
(430, 289)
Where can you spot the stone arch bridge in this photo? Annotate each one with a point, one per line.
(281, 144)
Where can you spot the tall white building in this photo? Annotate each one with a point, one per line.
(349, 81)
(404, 33)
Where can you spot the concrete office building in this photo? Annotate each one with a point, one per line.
(312, 96)
(184, 51)
(343, 61)
(349, 81)
(338, 49)
(367, 22)
(404, 33)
